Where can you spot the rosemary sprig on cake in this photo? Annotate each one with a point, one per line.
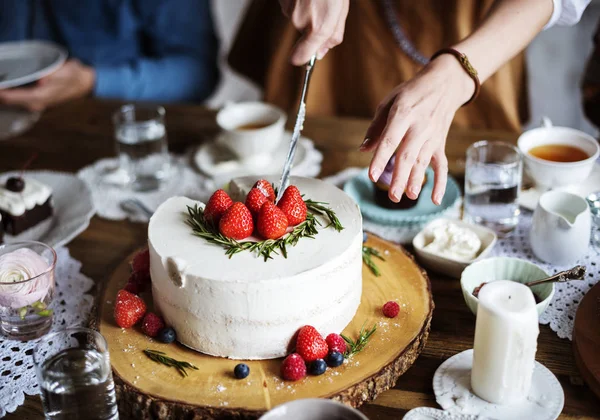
(162, 358)
(356, 346)
(320, 208)
(225, 223)
(367, 254)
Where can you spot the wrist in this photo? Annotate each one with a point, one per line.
(87, 80)
(461, 86)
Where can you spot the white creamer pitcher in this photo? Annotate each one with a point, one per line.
(561, 228)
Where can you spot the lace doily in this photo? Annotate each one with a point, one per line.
(71, 306)
(560, 314)
(186, 181)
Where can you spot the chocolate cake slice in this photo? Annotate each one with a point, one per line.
(24, 204)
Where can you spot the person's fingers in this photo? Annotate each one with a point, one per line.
(309, 44)
(391, 136)
(29, 98)
(417, 173)
(406, 156)
(439, 163)
(376, 127)
(338, 34)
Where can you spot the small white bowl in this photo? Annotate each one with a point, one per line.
(446, 265)
(548, 174)
(313, 409)
(504, 268)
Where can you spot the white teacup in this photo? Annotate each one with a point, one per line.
(549, 174)
(251, 130)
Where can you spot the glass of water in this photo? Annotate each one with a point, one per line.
(73, 370)
(142, 145)
(493, 175)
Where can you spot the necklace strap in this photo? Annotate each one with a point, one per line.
(402, 40)
(466, 65)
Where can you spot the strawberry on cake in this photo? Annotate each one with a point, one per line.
(240, 276)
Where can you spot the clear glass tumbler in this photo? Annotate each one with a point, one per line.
(141, 141)
(74, 374)
(493, 177)
(26, 289)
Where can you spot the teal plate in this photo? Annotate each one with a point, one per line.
(362, 190)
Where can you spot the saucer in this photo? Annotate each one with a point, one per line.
(529, 198)
(452, 388)
(362, 190)
(215, 161)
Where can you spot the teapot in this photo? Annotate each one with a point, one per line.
(561, 228)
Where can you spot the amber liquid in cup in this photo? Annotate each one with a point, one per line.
(558, 153)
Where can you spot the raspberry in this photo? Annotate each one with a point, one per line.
(335, 342)
(152, 324)
(293, 367)
(391, 309)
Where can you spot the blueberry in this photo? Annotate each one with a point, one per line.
(166, 335)
(241, 371)
(365, 237)
(335, 358)
(15, 184)
(317, 367)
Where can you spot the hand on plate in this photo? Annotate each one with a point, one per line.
(73, 80)
(322, 25)
(413, 122)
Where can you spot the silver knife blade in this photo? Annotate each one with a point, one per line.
(287, 167)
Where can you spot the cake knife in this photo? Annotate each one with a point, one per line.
(285, 174)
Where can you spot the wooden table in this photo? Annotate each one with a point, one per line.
(77, 134)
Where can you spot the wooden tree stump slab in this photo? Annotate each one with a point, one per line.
(146, 389)
(586, 338)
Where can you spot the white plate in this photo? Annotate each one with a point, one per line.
(529, 198)
(73, 208)
(24, 62)
(218, 163)
(452, 388)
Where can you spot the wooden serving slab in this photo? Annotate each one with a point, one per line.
(146, 389)
(586, 338)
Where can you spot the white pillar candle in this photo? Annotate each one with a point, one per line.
(506, 334)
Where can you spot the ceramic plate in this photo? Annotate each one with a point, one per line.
(73, 208)
(218, 163)
(529, 198)
(362, 190)
(24, 62)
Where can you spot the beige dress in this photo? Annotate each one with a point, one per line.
(356, 75)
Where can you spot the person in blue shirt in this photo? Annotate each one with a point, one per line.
(146, 50)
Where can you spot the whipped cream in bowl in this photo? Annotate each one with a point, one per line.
(26, 288)
(449, 246)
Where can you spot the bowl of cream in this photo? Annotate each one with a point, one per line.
(449, 246)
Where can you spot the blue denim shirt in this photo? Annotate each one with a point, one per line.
(155, 50)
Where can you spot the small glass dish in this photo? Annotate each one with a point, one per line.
(26, 289)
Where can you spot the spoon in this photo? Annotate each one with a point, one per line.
(575, 273)
(133, 205)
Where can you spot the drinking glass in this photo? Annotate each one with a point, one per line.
(141, 141)
(26, 289)
(594, 202)
(74, 374)
(493, 175)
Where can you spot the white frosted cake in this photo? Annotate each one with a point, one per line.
(247, 308)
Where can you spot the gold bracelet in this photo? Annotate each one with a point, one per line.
(466, 65)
